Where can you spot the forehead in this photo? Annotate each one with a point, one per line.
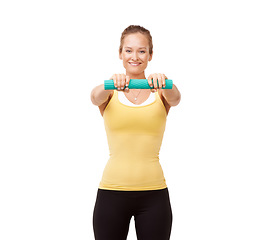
(135, 40)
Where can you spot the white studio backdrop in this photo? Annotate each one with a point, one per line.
(53, 145)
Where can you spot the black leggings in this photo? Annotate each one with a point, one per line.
(151, 210)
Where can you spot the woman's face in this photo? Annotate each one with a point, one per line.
(135, 54)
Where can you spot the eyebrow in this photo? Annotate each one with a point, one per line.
(139, 48)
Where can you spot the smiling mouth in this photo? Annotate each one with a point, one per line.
(134, 64)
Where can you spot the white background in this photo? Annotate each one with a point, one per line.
(53, 142)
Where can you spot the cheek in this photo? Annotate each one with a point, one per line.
(126, 58)
(145, 60)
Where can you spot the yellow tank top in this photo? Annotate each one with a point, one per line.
(134, 135)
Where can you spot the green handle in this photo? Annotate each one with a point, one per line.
(137, 84)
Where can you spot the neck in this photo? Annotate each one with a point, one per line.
(136, 76)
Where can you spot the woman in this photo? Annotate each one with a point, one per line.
(133, 183)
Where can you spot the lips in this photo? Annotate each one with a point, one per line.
(134, 63)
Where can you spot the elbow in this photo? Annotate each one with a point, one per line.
(175, 97)
(93, 99)
(99, 96)
(179, 98)
(176, 101)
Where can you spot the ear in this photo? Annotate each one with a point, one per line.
(120, 56)
(150, 58)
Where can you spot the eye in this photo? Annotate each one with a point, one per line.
(128, 51)
(142, 51)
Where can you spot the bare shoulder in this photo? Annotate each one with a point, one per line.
(167, 106)
(104, 105)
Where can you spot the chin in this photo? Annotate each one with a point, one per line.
(134, 71)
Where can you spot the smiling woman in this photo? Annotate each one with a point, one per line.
(133, 182)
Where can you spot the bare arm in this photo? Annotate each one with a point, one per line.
(172, 96)
(99, 95)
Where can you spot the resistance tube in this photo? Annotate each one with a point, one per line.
(137, 84)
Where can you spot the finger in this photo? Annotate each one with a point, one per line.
(114, 77)
(150, 81)
(127, 81)
(119, 82)
(155, 81)
(123, 79)
(159, 77)
(164, 80)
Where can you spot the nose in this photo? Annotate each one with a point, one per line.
(134, 56)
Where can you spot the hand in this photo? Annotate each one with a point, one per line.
(161, 78)
(121, 82)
